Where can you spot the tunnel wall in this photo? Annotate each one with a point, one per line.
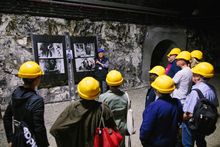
(122, 41)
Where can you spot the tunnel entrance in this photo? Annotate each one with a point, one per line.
(159, 55)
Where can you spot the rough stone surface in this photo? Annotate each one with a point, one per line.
(123, 42)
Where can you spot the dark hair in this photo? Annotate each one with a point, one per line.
(28, 82)
(116, 91)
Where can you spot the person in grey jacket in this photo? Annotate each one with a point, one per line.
(117, 101)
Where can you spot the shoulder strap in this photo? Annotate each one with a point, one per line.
(129, 101)
(211, 87)
(201, 96)
(101, 119)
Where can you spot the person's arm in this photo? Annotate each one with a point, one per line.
(177, 77)
(189, 105)
(147, 126)
(7, 120)
(187, 116)
(106, 64)
(38, 121)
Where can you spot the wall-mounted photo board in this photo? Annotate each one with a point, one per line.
(50, 53)
(85, 51)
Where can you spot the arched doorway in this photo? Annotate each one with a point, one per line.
(158, 42)
(159, 55)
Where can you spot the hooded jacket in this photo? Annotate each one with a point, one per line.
(76, 125)
(26, 105)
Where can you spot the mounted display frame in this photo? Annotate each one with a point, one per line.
(50, 54)
(84, 54)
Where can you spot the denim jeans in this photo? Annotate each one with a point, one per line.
(103, 86)
(187, 138)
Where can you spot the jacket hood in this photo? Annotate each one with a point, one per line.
(22, 93)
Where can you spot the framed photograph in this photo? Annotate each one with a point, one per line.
(85, 64)
(50, 50)
(55, 66)
(84, 50)
(50, 53)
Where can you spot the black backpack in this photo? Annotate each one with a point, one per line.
(22, 136)
(205, 116)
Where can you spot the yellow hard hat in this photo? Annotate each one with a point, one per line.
(163, 84)
(158, 70)
(30, 70)
(114, 78)
(197, 54)
(174, 51)
(184, 55)
(204, 69)
(88, 88)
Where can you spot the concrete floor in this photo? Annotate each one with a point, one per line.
(138, 99)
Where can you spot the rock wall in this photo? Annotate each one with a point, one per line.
(123, 42)
(208, 41)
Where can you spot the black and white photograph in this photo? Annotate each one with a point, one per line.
(90, 49)
(50, 50)
(52, 66)
(79, 50)
(84, 49)
(85, 64)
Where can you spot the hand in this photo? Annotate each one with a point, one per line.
(187, 116)
(97, 62)
(9, 144)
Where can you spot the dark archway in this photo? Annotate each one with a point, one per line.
(159, 55)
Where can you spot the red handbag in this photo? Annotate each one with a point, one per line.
(106, 137)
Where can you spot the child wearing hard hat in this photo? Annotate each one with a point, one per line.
(154, 73)
(165, 111)
(117, 101)
(172, 68)
(196, 58)
(27, 106)
(202, 72)
(76, 125)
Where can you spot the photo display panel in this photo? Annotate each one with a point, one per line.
(85, 51)
(50, 53)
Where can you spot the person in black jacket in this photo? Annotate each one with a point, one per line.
(101, 69)
(27, 106)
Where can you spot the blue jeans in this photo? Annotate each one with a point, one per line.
(187, 138)
(103, 86)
